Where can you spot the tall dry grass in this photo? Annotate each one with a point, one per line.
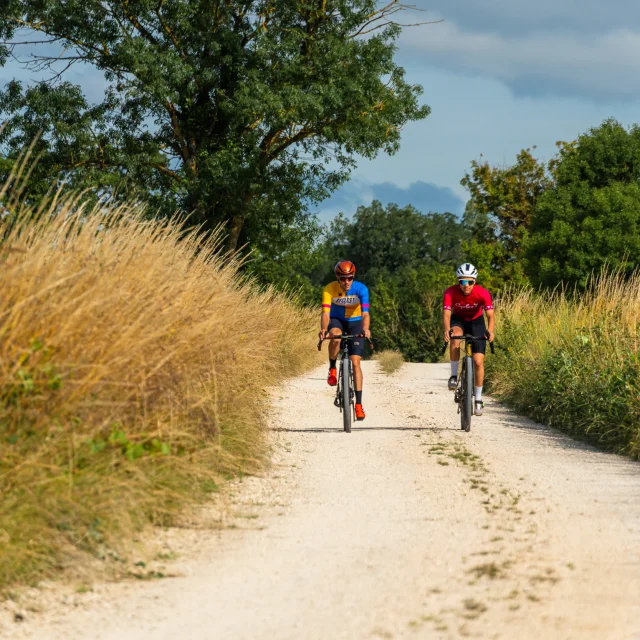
(571, 360)
(133, 369)
(389, 360)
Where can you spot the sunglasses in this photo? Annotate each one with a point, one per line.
(345, 278)
(465, 283)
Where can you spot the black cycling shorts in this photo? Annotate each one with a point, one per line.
(352, 328)
(475, 327)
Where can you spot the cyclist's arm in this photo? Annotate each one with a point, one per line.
(326, 311)
(446, 323)
(366, 321)
(491, 318)
(324, 324)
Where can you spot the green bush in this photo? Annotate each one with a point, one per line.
(572, 362)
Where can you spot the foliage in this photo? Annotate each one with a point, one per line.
(387, 240)
(407, 259)
(242, 112)
(498, 215)
(571, 361)
(591, 215)
(507, 194)
(407, 310)
(126, 392)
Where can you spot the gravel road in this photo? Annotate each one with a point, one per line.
(405, 528)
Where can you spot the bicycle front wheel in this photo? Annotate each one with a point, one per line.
(346, 393)
(466, 400)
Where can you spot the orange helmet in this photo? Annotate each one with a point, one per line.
(345, 268)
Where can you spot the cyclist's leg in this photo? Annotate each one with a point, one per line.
(479, 347)
(358, 378)
(336, 328)
(457, 327)
(356, 351)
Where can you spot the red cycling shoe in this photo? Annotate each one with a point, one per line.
(332, 380)
(360, 412)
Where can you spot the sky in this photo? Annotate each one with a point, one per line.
(499, 76)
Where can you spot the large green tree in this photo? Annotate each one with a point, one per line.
(591, 216)
(386, 240)
(498, 214)
(243, 111)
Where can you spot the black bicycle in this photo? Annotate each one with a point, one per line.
(345, 391)
(463, 395)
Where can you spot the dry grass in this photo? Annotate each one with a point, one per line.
(133, 369)
(572, 360)
(390, 360)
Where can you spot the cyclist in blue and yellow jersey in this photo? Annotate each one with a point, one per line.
(345, 309)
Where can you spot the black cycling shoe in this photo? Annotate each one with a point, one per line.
(453, 383)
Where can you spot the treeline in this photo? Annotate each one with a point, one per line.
(531, 224)
(405, 258)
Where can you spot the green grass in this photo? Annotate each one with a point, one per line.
(572, 361)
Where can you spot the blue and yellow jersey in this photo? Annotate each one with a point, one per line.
(345, 306)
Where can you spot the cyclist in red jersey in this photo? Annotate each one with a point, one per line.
(463, 307)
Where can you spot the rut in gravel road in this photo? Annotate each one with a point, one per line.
(405, 528)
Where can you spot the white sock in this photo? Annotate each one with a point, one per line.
(454, 367)
(478, 394)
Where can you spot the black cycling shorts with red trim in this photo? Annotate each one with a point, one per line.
(352, 328)
(475, 327)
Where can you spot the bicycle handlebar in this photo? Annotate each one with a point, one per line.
(345, 336)
(468, 336)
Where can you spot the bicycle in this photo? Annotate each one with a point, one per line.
(463, 395)
(345, 391)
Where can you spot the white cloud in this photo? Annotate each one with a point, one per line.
(600, 66)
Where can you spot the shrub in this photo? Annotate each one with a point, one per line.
(390, 361)
(133, 364)
(571, 360)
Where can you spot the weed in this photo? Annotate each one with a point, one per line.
(390, 361)
(489, 570)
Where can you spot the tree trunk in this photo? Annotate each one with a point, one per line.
(236, 223)
(234, 229)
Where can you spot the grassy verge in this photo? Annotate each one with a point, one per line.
(390, 360)
(133, 369)
(572, 361)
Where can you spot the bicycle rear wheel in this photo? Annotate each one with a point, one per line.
(345, 365)
(466, 397)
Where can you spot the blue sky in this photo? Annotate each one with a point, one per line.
(499, 75)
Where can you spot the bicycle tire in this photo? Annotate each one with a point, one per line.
(466, 409)
(345, 365)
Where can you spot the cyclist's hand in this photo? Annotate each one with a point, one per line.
(367, 334)
(447, 335)
(323, 334)
(491, 335)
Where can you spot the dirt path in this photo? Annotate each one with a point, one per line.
(406, 528)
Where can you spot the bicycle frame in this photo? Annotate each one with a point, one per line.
(345, 390)
(463, 394)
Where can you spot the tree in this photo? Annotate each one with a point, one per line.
(498, 215)
(591, 216)
(242, 112)
(385, 240)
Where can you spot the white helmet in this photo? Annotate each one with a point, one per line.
(467, 270)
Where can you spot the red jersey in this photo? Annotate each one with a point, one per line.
(467, 307)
